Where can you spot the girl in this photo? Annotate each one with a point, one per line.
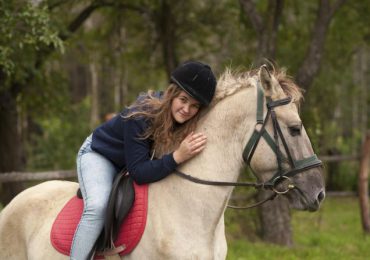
(155, 122)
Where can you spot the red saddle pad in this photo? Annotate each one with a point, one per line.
(130, 233)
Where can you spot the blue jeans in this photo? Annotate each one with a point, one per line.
(95, 176)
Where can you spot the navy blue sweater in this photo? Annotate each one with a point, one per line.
(120, 140)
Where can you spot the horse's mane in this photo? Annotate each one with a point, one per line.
(231, 81)
(288, 85)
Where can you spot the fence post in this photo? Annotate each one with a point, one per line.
(363, 184)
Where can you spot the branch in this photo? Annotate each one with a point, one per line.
(82, 17)
(311, 64)
(73, 27)
(52, 6)
(135, 8)
(277, 10)
(85, 14)
(255, 18)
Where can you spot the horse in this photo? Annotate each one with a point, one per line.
(186, 219)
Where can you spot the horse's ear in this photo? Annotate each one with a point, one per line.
(266, 80)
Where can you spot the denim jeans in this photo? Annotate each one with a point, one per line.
(95, 176)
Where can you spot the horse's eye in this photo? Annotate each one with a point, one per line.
(295, 130)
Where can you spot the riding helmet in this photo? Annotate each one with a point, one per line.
(196, 79)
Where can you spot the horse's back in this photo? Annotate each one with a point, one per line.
(25, 223)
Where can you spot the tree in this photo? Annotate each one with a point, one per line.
(275, 217)
(25, 30)
(30, 37)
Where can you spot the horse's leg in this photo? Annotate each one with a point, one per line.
(25, 223)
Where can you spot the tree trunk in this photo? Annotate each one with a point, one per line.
(274, 216)
(266, 27)
(268, 36)
(312, 61)
(94, 115)
(361, 80)
(10, 149)
(124, 87)
(363, 190)
(275, 220)
(166, 26)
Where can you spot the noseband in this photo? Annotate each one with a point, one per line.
(296, 166)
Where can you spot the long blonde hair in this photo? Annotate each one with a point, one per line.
(165, 132)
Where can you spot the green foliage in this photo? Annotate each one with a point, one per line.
(335, 110)
(25, 29)
(62, 135)
(335, 94)
(332, 233)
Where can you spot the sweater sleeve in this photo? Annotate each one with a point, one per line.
(137, 155)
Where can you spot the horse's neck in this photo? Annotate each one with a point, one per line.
(226, 126)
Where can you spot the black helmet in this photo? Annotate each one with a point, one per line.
(196, 79)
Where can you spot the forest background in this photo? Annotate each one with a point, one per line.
(66, 65)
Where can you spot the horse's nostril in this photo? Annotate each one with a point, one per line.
(321, 196)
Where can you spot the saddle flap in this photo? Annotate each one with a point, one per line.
(120, 202)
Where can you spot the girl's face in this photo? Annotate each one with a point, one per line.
(184, 107)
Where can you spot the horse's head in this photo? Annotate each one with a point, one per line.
(279, 152)
(257, 113)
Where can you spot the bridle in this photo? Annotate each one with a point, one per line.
(296, 166)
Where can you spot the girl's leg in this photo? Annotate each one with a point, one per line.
(95, 175)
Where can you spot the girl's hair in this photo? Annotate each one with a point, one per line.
(165, 132)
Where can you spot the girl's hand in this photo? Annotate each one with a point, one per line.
(189, 147)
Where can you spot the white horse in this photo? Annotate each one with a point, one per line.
(185, 219)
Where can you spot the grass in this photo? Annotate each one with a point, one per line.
(334, 232)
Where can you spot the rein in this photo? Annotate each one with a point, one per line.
(236, 184)
(248, 152)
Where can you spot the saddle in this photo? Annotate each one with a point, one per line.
(120, 201)
(125, 219)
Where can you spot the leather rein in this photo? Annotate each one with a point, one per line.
(297, 166)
